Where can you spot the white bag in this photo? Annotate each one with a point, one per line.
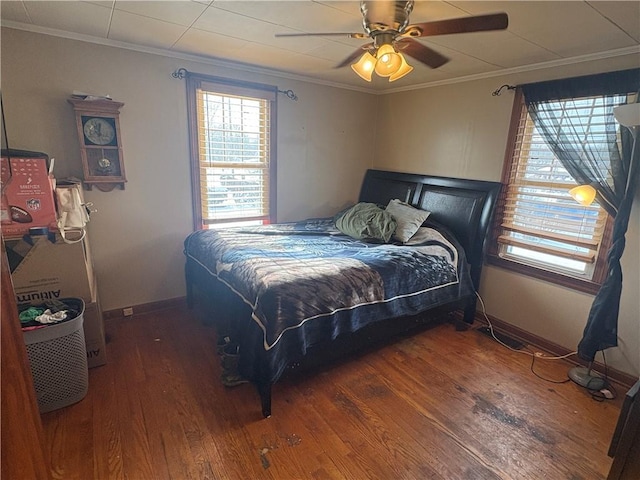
(73, 212)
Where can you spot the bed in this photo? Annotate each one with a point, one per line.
(300, 293)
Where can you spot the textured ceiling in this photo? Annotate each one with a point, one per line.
(243, 31)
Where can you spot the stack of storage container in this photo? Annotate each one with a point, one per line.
(43, 267)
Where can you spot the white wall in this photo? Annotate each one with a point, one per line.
(461, 130)
(324, 146)
(326, 140)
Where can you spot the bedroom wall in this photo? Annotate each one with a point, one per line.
(461, 130)
(325, 142)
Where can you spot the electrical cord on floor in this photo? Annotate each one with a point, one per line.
(533, 355)
(608, 392)
(533, 360)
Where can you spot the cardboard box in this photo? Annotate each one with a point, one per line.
(27, 195)
(94, 334)
(42, 270)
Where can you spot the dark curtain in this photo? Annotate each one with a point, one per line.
(614, 173)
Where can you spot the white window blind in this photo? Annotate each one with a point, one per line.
(234, 151)
(542, 224)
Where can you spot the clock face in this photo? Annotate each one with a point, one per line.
(99, 131)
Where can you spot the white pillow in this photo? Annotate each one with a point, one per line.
(408, 218)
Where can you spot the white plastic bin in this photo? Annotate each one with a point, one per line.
(58, 358)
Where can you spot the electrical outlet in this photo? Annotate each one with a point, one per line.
(127, 312)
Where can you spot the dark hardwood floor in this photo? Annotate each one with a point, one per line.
(441, 404)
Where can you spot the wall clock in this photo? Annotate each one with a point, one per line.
(98, 123)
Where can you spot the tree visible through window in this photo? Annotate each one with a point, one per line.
(233, 166)
(540, 229)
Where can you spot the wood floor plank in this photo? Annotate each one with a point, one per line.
(518, 414)
(125, 354)
(345, 420)
(479, 442)
(71, 441)
(440, 404)
(107, 427)
(419, 428)
(167, 392)
(333, 452)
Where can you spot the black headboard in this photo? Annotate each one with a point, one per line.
(464, 206)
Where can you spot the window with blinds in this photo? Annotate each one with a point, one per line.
(539, 224)
(234, 168)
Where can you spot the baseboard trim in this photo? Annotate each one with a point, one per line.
(146, 307)
(623, 379)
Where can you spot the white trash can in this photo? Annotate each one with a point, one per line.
(58, 358)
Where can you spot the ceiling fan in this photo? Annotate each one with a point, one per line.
(387, 24)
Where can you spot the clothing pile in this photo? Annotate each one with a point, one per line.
(49, 313)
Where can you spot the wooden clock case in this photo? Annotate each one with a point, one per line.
(102, 157)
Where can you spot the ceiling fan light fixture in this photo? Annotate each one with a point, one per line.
(387, 24)
(389, 61)
(365, 66)
(404, 69)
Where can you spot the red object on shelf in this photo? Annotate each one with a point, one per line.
(27, 195)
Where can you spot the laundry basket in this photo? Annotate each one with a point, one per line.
(58, 358)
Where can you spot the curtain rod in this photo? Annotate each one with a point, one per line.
(181, 73)
(498, 91)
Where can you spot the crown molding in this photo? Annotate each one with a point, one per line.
(244, 67)
(211, 61)
(620, 52)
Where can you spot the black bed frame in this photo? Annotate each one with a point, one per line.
(464, 206)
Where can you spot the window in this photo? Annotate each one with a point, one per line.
(232, 152)
(539, 229)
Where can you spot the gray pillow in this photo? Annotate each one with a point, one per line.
(408, 218)
(367, 221)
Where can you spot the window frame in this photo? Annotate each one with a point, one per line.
(238, 88)
(493, 257)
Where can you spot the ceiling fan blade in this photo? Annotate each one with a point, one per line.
(354, 55)
(424, 54)
(325, 34)
(478, 23)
